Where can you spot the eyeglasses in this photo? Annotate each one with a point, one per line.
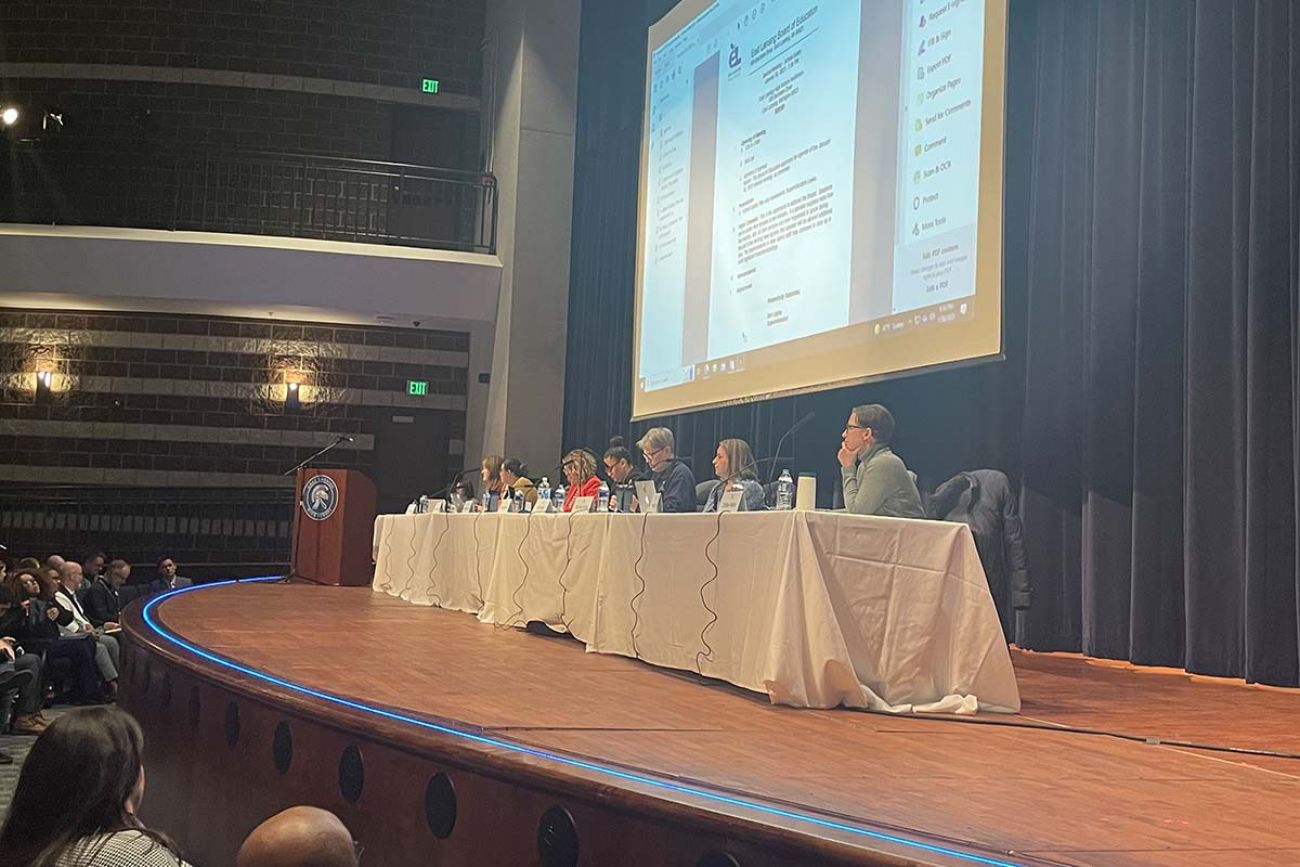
(358, 848)
(650, 456)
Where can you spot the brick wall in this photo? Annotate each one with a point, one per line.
(388, 42)
(185, 401)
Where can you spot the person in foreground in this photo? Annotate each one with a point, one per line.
(76, 800)
(580, 472)
(674, 481)
(876, 481)
(734, 465)
(299, 837)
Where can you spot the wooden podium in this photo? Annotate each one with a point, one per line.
(333, 526)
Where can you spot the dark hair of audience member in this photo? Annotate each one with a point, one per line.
(75, 784)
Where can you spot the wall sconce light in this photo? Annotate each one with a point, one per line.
(291, 400)
(44, 386)
(8, 115)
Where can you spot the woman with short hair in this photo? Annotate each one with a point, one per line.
(76, 800)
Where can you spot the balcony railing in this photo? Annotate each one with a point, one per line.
(251, 192)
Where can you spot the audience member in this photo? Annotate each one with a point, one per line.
(300, 837)
(107, 652)
(674, 481)
(35, 625)
(516, 480)
(876, 481)
(580, 473)
(167, 577)
(54, 561)
(92, 565)
(103, 600)
(20, 669)
(734, 465)
(77, 798)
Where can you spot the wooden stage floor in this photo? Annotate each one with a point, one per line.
(1043, 795)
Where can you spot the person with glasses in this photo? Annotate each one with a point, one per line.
(674, 481)
(622, 474)
(876, 481)
(580, 472)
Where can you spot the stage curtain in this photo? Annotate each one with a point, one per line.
(1160, 417)
(1148, 401)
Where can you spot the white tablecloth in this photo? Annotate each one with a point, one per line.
(816, 609)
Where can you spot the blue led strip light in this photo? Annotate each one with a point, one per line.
(567, 761)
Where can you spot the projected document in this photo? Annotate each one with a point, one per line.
(817, 200)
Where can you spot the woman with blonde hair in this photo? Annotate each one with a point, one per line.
(734, 465)
(580, 472)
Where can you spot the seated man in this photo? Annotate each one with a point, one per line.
(167, 577)
(674, 481)
(876, 481)
(299, 837)
(103, 600)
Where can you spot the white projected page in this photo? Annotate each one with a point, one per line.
(806, 170)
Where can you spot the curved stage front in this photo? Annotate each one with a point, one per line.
(443, 741)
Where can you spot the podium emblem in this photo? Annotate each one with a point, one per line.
(320, 497)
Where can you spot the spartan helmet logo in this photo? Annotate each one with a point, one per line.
(320, 497)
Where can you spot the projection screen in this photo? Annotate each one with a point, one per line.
(820, 198)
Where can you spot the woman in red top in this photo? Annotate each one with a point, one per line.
(580, 471)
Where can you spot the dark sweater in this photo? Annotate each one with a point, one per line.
(675, 484)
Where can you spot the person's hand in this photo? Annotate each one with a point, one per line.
(86, 627)
(52, 613)
(847, 456)
(111, 624)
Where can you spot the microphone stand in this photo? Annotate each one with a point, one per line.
(776, 455)
(298, 519)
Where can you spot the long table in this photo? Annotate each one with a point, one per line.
(815, 609)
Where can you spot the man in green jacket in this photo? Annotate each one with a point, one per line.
(876, 481)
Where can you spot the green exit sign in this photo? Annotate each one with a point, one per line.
(417, 387)
(429, 85)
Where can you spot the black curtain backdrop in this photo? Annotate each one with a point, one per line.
(1148, 403)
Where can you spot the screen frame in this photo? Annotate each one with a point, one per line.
(991, 225)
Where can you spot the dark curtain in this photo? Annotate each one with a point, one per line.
(1148, 401)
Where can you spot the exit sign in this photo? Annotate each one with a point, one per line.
(429, 85)
(417, 387)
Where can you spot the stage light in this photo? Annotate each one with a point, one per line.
(44, 386)
(291, 400)
(9, 116)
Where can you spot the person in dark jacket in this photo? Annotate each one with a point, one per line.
(982, 499)
(103, 602)
(674, 481)
(34, 623)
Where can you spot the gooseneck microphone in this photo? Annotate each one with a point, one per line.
(776, 455)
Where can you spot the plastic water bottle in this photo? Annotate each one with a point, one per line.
(785, 491)
(559, 498)
(544, 490)
(519, 502)
(423, 506)
(602, 498)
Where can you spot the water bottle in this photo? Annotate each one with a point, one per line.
(544, 490)
(423, 506)
(559, 498)
(491, 501)
(519, 502)
(738, 487)
(785, 491)
(602, 498)
(457, 500)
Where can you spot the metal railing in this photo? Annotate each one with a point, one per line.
(210, 531)
(250, 192)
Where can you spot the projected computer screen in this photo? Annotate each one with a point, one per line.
(821, 196)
